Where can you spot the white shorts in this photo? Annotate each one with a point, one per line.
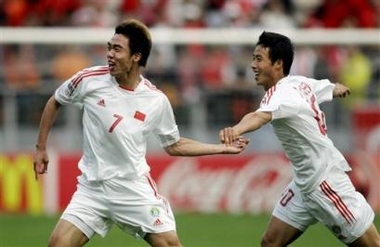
(335, 203)
(133, 205)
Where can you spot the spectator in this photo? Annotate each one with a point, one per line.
(374, 84)
(193, 14)
(334, 13)
(146, 11)
(356, 74)
(215, 64)
(55, 13)
(15, 12)
(240, 13)
(304, 61)
(96, 13)
(274, 15)
(68, 62)
(20, 67)
(187, 70)
(22, 75)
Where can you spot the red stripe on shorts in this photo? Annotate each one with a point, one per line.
(152, 184)
(337, 201)
(154, 187)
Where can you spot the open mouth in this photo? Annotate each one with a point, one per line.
(111, 65)
(256, 75)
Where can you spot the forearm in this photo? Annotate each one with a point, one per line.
(47, 119)
(189, 147)
(251, 122)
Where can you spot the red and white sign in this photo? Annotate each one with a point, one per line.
(225, 183)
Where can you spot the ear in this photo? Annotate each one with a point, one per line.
(278, 63)
(136, 57)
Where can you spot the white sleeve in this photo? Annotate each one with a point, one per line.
(71, 92)
(166, 129)
(323, 89)
(282, 103)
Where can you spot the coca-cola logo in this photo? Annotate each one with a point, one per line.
(251, 186)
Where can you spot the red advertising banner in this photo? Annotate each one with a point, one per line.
(222, 183)
(366, 127)
(67, 178)
(226, 183)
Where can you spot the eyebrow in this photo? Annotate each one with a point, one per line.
(115, 45)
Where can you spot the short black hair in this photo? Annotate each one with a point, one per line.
(280, 48)
(139, 37)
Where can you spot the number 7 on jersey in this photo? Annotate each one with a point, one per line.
(116, 122)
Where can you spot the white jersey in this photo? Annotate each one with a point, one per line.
(116, 122)
(300, 126)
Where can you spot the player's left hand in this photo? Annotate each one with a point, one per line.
(340, 90)
(228, 135)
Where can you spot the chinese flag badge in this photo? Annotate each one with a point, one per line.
(139, 116)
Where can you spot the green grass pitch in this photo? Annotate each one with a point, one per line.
(195, 230)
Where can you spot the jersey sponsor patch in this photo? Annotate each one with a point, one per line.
(139, 116)
(70, 89)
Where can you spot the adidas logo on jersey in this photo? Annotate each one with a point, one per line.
(101, 102)
(157, 222)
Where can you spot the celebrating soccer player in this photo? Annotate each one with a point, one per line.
(320, 190)
(121, 108)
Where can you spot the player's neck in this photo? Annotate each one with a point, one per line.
(129, 81)
(276, 78)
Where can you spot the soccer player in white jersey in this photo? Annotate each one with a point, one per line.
(120, 109)
(320, 190)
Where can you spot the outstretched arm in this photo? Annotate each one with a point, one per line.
(250, 122)
(340, 90)
(189, 147)
(49, 115)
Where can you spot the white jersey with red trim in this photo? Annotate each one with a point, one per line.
(116, 122)
(300, 126)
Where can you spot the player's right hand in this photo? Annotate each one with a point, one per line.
(341, 91)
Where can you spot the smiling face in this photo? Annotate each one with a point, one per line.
(119, 58)
(267, 73)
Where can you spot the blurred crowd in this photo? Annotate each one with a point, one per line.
(192, 13)
(217, 76)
